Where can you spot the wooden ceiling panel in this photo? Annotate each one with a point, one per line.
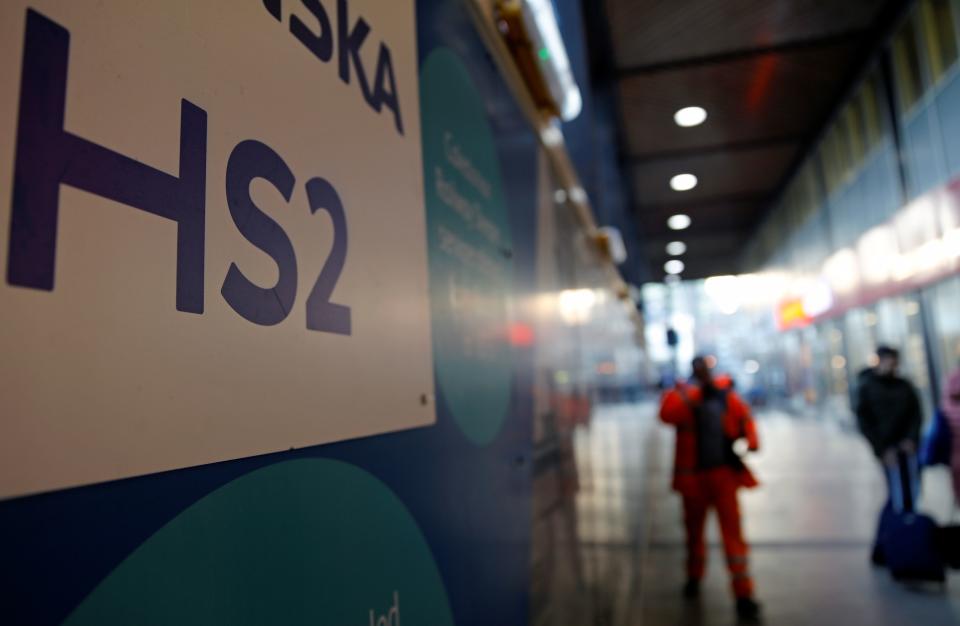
(728, 218)
(751, 172)
(760, 98)
(656, 31)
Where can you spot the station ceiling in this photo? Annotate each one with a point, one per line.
(769, 74)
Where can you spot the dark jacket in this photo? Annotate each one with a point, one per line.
(888, 410)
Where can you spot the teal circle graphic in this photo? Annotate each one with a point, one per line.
(469, 248)
(310, 541)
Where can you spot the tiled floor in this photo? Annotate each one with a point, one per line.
(810, 526)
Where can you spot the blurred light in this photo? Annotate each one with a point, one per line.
(817, 299)
(842, 271)
(578, 195)
(521, 335)
(560, 196)
(554, 63)
(576, 305)
(911, 308)
(561, 377)
(551, 136)
(790, 314)
(711, 361)
(838, 362)
(760, 290)
(679, 221)
(672, 279)
(725, 292)
(930, 256)
(878, 252)
(676, 248)
(673, 266)
(951, 241)
(751, 367)
(607, 368)
(683, 182)
(690, 116)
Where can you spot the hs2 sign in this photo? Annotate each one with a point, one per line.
(213, 240)
(48, 155)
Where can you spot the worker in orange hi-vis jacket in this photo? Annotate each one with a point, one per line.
(709, 417)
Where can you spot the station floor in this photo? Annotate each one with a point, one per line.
(810, 527)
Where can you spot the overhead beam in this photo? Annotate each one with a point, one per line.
(736, 55)
(725, 199)
(730, 146)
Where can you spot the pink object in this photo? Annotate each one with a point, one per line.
(951, 409)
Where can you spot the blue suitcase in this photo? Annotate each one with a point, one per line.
(910, 543)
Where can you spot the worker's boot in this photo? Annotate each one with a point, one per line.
(748, 609)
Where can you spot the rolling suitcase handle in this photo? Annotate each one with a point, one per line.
(904, 480)
(912, 541)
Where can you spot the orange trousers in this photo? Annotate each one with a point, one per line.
(717, 489)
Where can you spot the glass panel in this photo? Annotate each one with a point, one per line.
(861, 339)
(871, 112)
(943, 303)
(829, 163)
(939, 36)
(842, 147)
(835, 157)
(854, 131)
(899, 325)
(910, 83)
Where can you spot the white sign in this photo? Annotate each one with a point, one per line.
(212, 235)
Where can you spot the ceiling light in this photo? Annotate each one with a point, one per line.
(679, 221)
(683, 182)
(690, 116)
(674, 266)
(676, 248)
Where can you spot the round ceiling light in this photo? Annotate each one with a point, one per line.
(676, 248)
(690, 116)
(674, 266)
(679, 221)
(683, 182)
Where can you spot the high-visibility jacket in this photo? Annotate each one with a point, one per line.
(678, 408)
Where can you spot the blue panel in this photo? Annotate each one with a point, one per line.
(948, 105)
(871, 179)
(922, 161)
(860, 202)
(890, 182)
(841, 215)
(472, 503)
(879, 190)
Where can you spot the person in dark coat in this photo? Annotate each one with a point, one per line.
(889, 415)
